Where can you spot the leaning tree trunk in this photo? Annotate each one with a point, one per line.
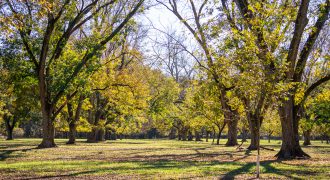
(232, 132)
(290, 138)
(307, 137)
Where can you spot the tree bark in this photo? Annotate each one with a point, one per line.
(290, 138)
(9, 127)
(307, 137)
(232, 132)
(10, 134)
(197, 136)
(72, 133)
(172, 133)
(207, 136)
(73, 119)
(48, 129)
(218, 138)
(213, 135)
(184, 135)
(254, 131)
(190, 135)
(244, 134)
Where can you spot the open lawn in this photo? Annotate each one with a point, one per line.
(154, 159)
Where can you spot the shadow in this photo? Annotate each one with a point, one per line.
(267, 167)
(4, 154)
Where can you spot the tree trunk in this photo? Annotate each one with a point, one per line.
(218, 138)
(213, 136)
(254, 132)
(269, 136)
(184, 135)
(72, 133)
(207, 136)
(179, 135)
(197, 136)
(172, 133)
(48, 129)
(244, 134)
(10, 134)
(190, 136)
(9, 128)
(290, 138)
(307, 137)
(73, 119)
(232, 132)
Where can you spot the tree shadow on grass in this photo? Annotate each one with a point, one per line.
(4, 154)
(267, 168)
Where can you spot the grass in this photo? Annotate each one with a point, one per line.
(154, 159)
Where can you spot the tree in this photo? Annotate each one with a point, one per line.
(17, 88)
(264, 25)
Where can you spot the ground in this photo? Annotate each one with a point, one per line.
(154, 159)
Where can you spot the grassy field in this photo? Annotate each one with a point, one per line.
(154, 159)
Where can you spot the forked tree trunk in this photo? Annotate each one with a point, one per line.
(9, 127)
(307, 137)
(73, 119)
(220, 128)
(290, 138)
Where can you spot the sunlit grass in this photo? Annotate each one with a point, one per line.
(154, 159)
